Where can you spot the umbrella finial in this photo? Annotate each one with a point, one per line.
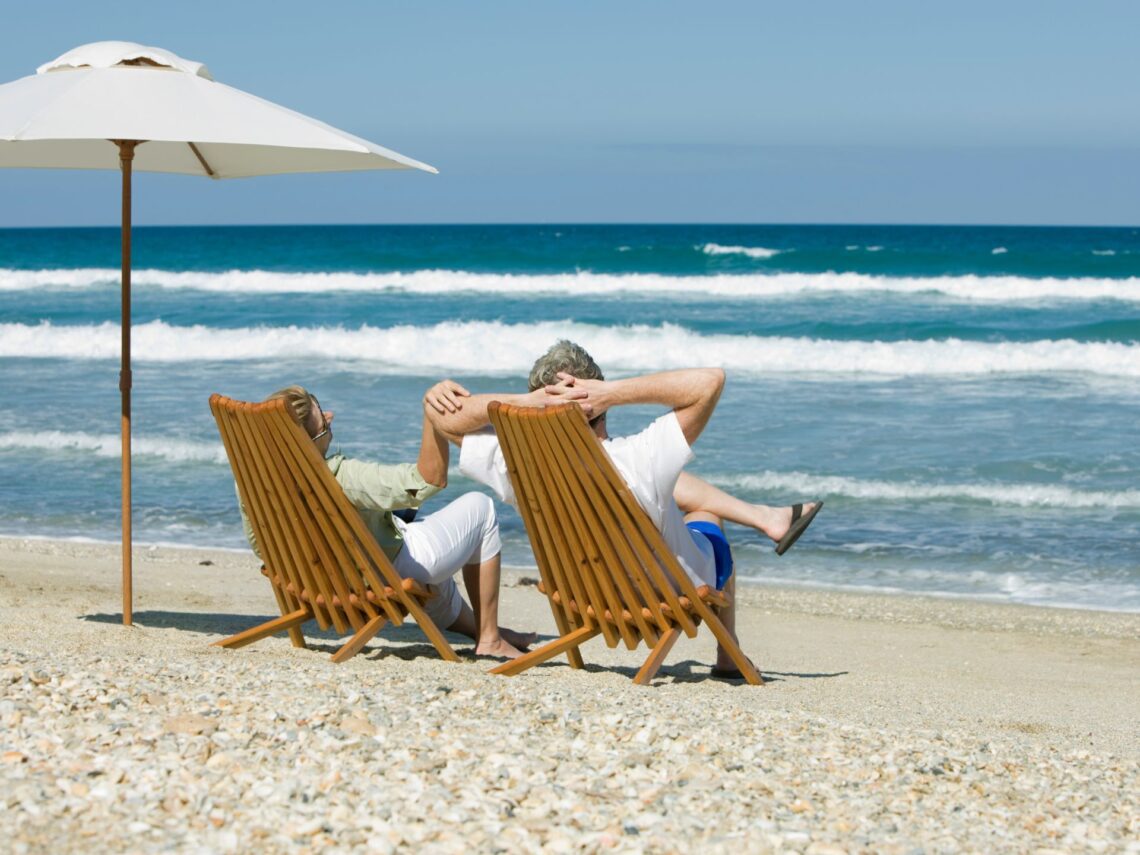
(111, 54)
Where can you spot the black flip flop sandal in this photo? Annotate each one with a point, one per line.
(800, 522)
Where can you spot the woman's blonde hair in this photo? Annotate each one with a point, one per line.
(299, 401)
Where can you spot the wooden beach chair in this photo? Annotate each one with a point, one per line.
(320, 558)
(605, 567)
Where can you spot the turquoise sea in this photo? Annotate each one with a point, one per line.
(965, 399)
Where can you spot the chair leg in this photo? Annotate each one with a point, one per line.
(295, 634)
(657, 656)
(547, 651)
(427, 625)
(574, 657)
(747, 669)
(574, 654)
(271, 627)
(362, 637)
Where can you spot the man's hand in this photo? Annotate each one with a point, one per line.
(591, 395)
(445, 397)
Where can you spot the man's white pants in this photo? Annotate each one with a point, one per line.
(438, 546)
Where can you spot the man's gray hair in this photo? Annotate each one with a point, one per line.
(565, 357)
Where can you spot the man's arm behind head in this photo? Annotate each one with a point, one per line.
(692, 393)
(706, 384)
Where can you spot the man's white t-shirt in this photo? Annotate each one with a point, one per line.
(650, 462)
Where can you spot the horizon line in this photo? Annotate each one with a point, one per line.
(590, 223)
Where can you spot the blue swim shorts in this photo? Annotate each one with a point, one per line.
(721, 550)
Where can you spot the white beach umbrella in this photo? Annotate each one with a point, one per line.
(119, 105)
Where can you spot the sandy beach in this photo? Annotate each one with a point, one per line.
(888, 724)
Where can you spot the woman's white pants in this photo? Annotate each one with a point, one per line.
(438, 546)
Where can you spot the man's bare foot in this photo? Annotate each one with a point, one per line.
(500, 648)
(521, 640)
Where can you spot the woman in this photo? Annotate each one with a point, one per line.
(463, 534)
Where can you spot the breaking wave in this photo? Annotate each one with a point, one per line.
(1013, 495)
(110, 445)
(966, 289)
(750, 251)
(492, 347)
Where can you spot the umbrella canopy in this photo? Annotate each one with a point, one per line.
(64, 115)
(120, 105)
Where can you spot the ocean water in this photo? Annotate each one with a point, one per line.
(965, 399)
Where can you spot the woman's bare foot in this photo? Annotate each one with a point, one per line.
(500, 648)
(521, 640)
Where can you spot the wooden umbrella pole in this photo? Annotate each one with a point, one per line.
(126, 156)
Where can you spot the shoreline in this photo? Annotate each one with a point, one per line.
(957, 599)
(887, 722)
(226, 586)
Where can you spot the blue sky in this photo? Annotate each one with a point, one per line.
(881, 112)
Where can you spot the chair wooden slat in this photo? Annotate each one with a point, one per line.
(333, 557)
(570, 476)
(590, 471)
(635, 589)
(276, 536)
(546, 555)
(667, 576)
(550, 553)
(319, 556)
(350, 542)
(293, 544)
(294, 541)
(290, 494)
(574, 544)
(604, 565)
(286, 603)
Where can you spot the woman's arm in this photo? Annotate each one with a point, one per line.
(434, 454)
(459, 413)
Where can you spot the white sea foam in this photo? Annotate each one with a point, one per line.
(998, 250)
(116, 540)
(1104, 252)
(983, 586)
(492, 347)
(750, 251)
(967, 289)
(77, 277)
(1013, 495)
(110, 445)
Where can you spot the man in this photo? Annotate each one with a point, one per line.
(463, 534)
(687, 510)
